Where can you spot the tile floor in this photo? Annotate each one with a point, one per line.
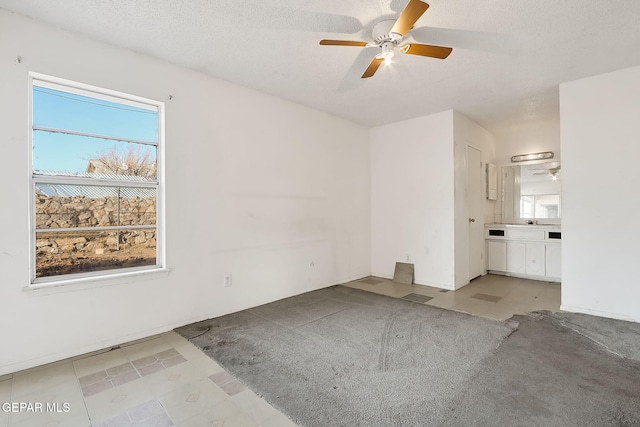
(492, 296)
(166, 381)
(161, 381)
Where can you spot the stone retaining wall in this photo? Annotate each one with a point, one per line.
(78, 211)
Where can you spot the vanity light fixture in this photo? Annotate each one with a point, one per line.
(533, 156)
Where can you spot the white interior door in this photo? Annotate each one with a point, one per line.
(475, 211)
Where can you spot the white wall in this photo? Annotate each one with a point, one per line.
(256, 187)
(418, 196)
(412, 198)
(529, 137)
(600, 128)
(468, 133)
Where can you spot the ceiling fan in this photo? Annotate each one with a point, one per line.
(388, 34)
(553, 172)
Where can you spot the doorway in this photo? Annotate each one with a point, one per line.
(475, 212)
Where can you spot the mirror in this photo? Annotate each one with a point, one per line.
(531, 192)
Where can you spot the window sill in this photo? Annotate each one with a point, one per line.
(91, 282)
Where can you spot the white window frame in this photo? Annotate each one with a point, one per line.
(82, 89)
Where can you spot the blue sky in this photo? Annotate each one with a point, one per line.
(62, 110)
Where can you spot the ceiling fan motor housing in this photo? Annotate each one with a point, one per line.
(382, 34)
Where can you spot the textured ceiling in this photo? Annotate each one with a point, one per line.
(509, 55)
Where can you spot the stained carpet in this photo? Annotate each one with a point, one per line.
(345, 357)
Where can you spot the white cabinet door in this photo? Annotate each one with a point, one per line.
(553, 261)
(497, 256)
(535, 259)
(516, 257)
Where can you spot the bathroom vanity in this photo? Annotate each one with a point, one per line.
(523, 250)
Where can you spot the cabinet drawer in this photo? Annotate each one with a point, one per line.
(525, 234)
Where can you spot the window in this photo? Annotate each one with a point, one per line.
(540, 206)
(96, 191)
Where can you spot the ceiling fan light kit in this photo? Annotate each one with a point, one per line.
(387, 51)
(388, 34)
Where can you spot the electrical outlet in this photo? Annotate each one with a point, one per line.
(227, 280)
(407, 257)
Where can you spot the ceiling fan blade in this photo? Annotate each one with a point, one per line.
(342, 43)
(465, 39)
(409, 16)
(426, 50)
(373, 67)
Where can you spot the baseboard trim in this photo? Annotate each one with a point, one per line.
(582, 310)
(416, 281)
(433, 285)
(77, 352)
(62, 357)
(381, 275)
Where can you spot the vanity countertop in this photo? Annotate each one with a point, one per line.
(533, 226)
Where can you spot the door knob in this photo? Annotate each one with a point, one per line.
(472, 220)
